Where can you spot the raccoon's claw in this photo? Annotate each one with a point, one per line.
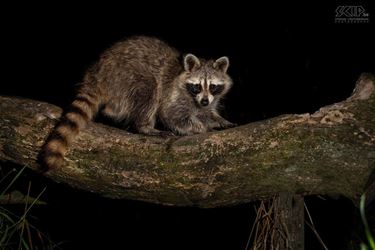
(227, 125)
(230, 125)
(155, 132)
(166, 134)
(161, 133)
(210, 129)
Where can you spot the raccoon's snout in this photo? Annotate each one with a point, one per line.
(204, 101)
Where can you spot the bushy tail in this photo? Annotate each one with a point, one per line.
(81, 111)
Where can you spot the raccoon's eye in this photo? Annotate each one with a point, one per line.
(216, 89)
(194, 88)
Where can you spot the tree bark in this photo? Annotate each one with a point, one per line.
(331, 151)
(289, 216)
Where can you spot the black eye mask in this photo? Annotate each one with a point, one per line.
(194, 89)
(216, 89)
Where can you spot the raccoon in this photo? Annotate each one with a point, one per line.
(140, 81)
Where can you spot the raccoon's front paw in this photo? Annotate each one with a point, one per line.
(227, 124)
(166, 134)
(155, 132)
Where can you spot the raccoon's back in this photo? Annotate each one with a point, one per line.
(131, 69)
(144, 54)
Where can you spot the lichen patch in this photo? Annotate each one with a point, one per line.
(332, 117)
(52, 114)
(135, 179)
(39, 117)
(335, 117)
(273, 144)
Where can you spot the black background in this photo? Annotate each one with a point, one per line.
(285, 58)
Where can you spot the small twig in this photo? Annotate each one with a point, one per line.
(312, 227)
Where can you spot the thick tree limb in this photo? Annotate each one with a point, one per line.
(329, 152)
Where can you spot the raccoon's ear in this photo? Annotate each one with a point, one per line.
(222, 64)
(191, 63)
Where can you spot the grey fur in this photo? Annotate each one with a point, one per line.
(142, 79)
(139, 81)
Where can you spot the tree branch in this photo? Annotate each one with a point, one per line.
(329, 152)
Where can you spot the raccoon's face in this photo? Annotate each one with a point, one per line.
(206, 81)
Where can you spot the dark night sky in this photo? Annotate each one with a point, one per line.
(284, 59)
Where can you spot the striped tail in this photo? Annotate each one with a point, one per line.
(81, 111)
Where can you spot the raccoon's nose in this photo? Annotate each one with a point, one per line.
(204, 101)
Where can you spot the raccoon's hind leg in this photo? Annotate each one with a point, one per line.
(146, 102)
(146, 119)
